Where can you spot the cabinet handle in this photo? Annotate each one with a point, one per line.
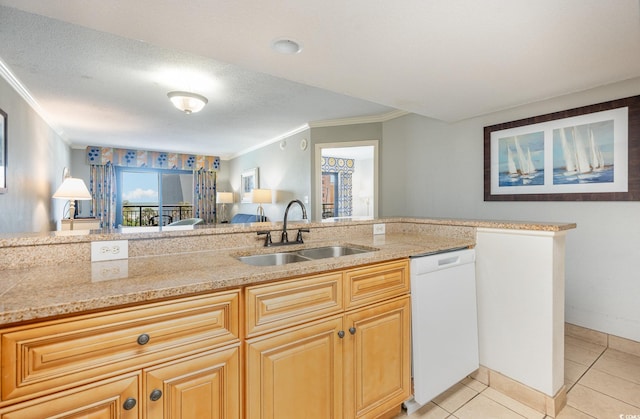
(341, 334)
(352, 330)
(155, 395)
(143, 339)
(129, 404)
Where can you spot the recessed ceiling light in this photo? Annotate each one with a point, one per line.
(286, 46)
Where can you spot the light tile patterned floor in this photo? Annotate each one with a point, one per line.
(602, 383)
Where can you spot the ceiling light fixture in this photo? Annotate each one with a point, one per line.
(286, 46)
(187, 102)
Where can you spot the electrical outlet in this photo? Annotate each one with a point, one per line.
(110, 269)
(109, 250)
(378, 229)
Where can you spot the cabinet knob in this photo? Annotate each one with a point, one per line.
(143, 339)
(155, 395)
(341, 334)
(129, 404)
(352, 330)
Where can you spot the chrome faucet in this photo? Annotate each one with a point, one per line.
(285, 236)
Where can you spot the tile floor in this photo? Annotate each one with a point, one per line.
(601, 382)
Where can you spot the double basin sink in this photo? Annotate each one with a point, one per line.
(303, 255)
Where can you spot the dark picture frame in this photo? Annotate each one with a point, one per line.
(3, 151)
(559, 141)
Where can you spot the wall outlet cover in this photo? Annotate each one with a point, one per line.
(109, 270)
(378, 228)
(109, 250)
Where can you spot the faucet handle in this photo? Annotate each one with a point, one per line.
(267, 240)
(299, 236)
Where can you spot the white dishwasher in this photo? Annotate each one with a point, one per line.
(444, 322)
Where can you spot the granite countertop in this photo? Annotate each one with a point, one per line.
(80, 236)
(41, 292)
(66, 282)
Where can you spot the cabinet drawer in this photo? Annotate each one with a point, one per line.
(104, 399)
(374, 283)
(286, 303)
(47, 356)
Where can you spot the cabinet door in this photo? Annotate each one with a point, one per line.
(104, 400)
(296, 373)
(45, 357)
(206, 386)
(377, 363)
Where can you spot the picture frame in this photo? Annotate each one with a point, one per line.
(3, 151)
(591, 153)
(248, 182)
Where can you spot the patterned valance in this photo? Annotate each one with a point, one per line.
(337, 164)
(154, 159)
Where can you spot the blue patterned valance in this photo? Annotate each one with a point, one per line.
(154, 159)
(337, 164)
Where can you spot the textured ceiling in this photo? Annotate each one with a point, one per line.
(450, 60)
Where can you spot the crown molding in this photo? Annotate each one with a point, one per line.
(321, 124)
(268, 142)
(9, 77)
(359, 120)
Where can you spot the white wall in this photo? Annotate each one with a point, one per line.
(285, 170)
(362, 183)
(441, 167)
(35, 160)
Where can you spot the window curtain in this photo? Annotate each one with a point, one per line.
(204, 195)
(102, 187)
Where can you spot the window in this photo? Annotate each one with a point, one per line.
(151, 197)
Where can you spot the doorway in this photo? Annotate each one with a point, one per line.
(329, 195)
(349, 170)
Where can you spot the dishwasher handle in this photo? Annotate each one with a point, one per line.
(436, 262)
(453, 260)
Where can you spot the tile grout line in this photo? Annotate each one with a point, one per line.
(589, 366)
(609, 395)
(489, 398)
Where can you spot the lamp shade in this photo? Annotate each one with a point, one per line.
(187, 102)
(261, 196)
(73, 189)
(224, 197)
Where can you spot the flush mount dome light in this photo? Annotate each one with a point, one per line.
(187, 102)
(286, 46)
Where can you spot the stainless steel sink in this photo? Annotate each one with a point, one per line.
(272, 259)
(331, 252)
(282, 258)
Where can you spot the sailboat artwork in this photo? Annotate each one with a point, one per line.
(583, 154)
(521, 160)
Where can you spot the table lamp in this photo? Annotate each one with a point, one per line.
(224, 198)
(72, 189)
(261, 196)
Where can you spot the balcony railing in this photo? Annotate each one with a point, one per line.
(149, 215)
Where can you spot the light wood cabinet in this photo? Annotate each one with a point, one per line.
(290, 302)
(205, 386)
(180, 346)
(351, 363)
(296, 373)
(377, 358)
(330, 345)
(102, 400)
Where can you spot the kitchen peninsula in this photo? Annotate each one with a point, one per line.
(519, 270)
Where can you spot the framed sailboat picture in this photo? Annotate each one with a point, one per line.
(582, 154)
